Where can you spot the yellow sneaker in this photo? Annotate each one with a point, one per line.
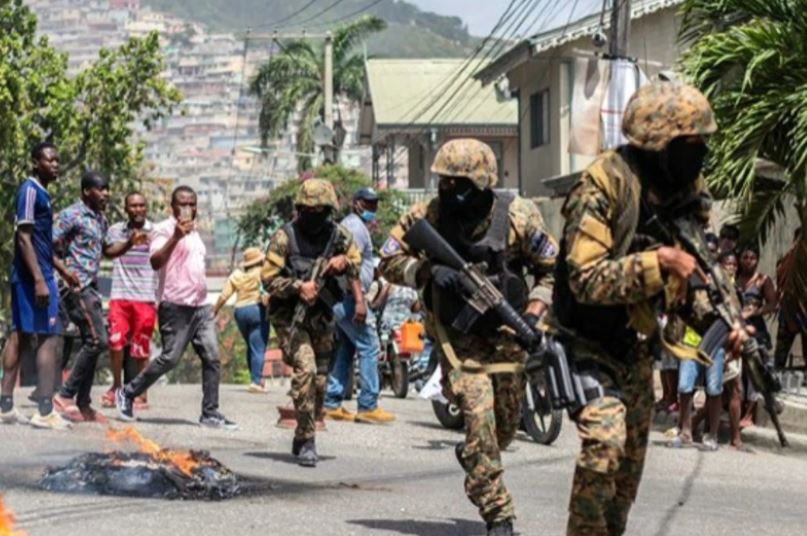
(53, 421)
(339, 414)
(376, 415)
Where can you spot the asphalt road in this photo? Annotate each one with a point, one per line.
(398, 479)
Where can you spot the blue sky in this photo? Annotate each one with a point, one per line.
(481, 15)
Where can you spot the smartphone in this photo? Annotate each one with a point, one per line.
(185, 213)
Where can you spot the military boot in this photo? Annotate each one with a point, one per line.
(501, 528)
(307, 456)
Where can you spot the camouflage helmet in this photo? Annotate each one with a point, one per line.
(662, 111)
(469, 158)
(316, 193)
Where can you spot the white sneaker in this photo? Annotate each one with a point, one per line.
(53, 421)
(13, 417)
(257, 389)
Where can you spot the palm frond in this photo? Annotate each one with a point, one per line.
(750, 58)
(348, 36)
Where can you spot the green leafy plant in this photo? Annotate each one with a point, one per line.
(292, 80)
(264, 216)
(91, 116)
(750, 58)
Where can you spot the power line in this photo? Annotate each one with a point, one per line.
(319, 13)
(444, 85)
(492, 54)
(288, 17)
(349, 15)
(510, 31)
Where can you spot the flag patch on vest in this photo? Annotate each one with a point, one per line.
(542, 245)
(390, 247)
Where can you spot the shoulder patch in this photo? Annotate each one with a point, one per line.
(541, 244)
(390, 247)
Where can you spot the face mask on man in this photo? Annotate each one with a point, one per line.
(456, 194)
(684, 160)
(675, 169)
(367, 216)
(312, 222)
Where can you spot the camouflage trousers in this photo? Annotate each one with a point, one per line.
(491, 407)
(308, 355)
(614, 439)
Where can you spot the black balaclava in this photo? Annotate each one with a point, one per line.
(465, 200)
(672, 171)
(313, 223)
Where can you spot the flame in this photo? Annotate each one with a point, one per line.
(183, 460)
(7, 522)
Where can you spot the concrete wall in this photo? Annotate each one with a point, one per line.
(653, 41)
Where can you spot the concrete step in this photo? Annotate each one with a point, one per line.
(766, 439)
(793, 417)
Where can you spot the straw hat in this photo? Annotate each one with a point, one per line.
(252, 257)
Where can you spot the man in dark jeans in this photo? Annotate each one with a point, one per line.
(183, 315)
(78, 238)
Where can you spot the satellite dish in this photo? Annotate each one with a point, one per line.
(323, 135)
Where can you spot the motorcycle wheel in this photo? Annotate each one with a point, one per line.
(449, 415)
(399, 381)
(541, 422)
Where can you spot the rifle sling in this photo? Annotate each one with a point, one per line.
(471, 365)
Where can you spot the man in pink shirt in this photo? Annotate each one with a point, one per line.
(184, 317)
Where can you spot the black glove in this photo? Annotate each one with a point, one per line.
(531, 319)
(446, 278)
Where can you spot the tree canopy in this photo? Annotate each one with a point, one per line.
(750, 58)
(264, 216)
(91, 116)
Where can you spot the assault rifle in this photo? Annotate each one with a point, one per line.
(567, 389)
(723, 297)
(316, 275)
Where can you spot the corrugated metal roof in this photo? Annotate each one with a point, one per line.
(590, 24)
(561, 35)
(421, 92)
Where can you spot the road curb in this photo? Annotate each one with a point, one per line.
(766, 439)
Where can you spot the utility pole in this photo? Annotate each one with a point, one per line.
(620, 28)
(327, 84)
(327, 77)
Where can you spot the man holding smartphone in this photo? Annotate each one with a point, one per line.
(184, 316)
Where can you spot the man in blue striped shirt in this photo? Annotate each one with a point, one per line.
(34, 295)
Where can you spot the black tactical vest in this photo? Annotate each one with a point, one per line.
(490, 250)
(303, 252)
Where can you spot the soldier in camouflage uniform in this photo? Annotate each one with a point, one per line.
(482, 370)
(611, 279)
(308, 348)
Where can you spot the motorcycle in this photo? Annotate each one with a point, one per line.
(538, 419)
(393, 363)
(394, 359)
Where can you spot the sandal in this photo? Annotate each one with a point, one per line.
(679, 442)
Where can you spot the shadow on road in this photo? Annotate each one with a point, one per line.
(285, 457)
(168, 421)
(434, 426)
(452, 527)
(436, 444)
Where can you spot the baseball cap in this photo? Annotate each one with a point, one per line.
(366, 194)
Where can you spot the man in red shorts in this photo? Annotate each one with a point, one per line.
(132, 309)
